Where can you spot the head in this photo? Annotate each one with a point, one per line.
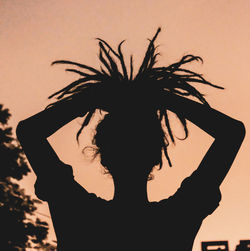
(130, 143)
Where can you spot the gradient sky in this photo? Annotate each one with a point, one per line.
(33, 33)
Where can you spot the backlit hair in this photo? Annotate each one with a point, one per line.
(173, 78)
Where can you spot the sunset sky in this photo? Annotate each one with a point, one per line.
(33, 33)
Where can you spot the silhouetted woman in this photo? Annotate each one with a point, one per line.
(130, 139)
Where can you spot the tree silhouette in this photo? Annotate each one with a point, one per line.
(20, 228)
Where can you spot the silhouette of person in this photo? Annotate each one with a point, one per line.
(131, 140)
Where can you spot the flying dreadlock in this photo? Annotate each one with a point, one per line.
(172, 78)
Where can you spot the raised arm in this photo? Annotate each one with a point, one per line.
(33, 132)
(227, 132)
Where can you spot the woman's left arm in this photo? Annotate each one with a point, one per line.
(228, 134)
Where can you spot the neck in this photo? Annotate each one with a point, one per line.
(130, 190)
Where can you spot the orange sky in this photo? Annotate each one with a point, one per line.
(34, 33)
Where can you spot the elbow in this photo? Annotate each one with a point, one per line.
(232, 132)
(242, 130)
(22, 131)
(238, 131)
(19, 130)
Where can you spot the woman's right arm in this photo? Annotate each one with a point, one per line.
(227, 132)
(34, 131)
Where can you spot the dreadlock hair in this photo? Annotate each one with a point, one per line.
(173, 79)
